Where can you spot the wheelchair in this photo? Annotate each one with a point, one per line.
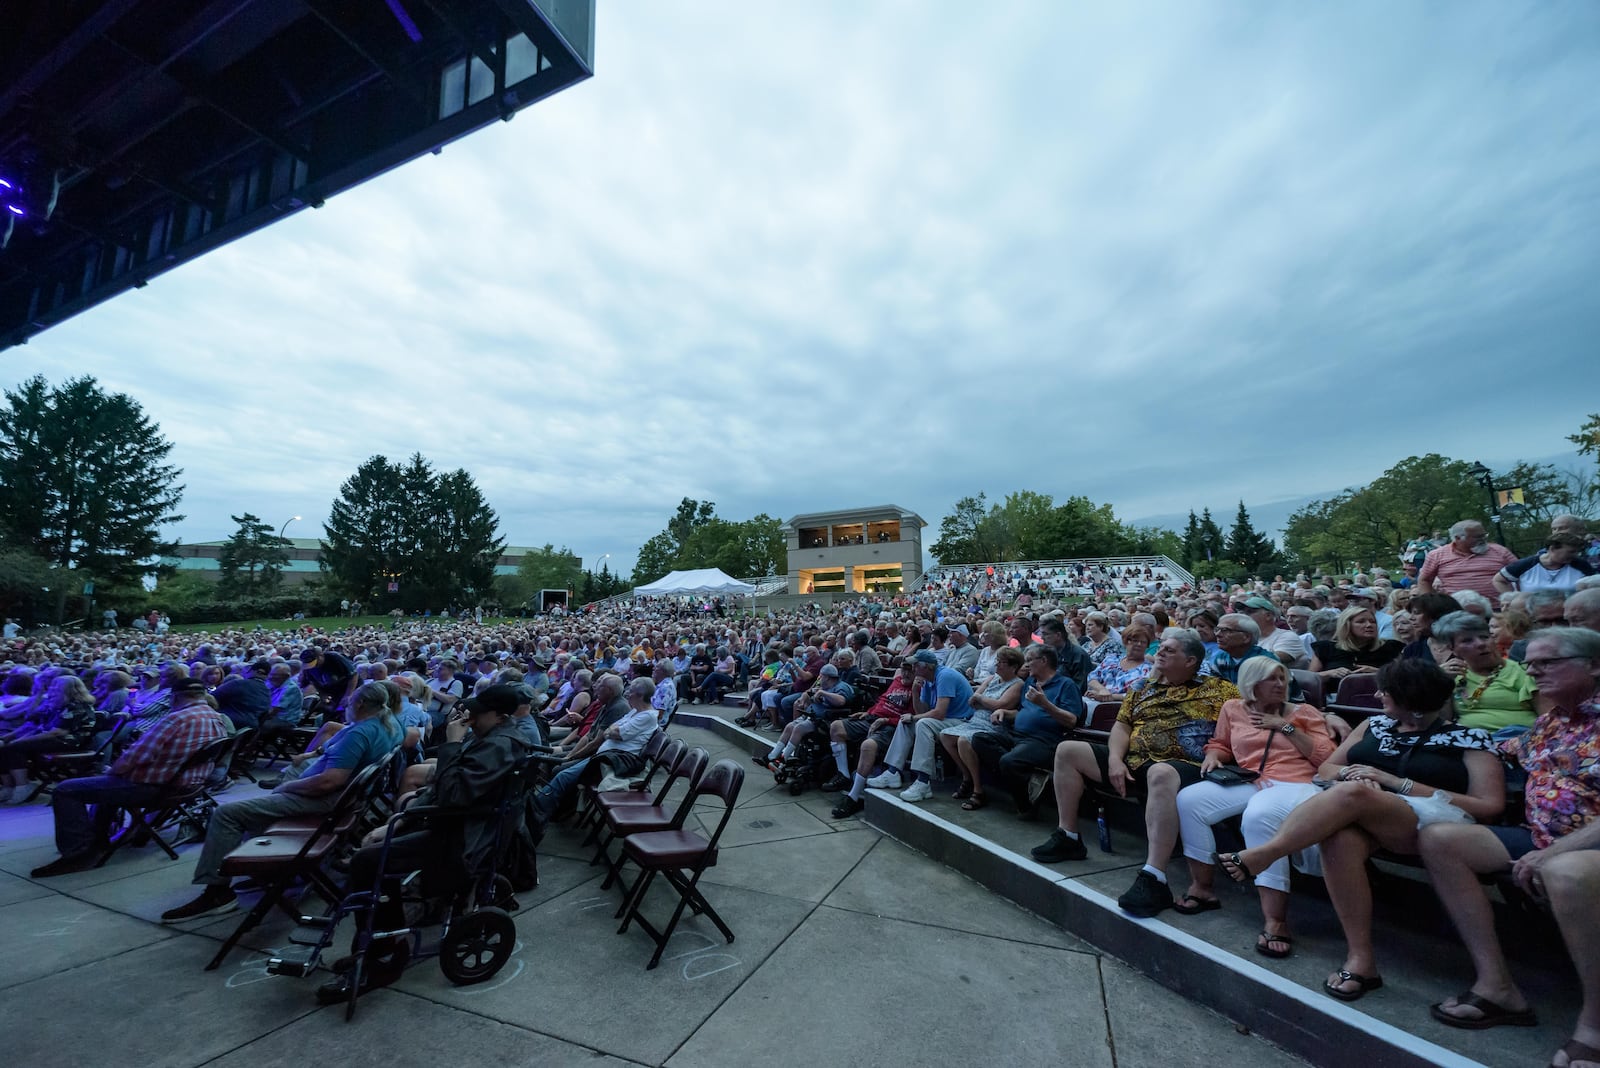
(472, 908)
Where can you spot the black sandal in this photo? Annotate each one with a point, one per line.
(1489, 1014)
(1234, 867)
(1183, 906)
(1577, 1051)
(1264, 945)
(1364, 985)
(963, 791)
(975, 802)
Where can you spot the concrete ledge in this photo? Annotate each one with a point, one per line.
(1302, 1021)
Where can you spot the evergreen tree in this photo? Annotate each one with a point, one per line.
(1209, 544)
(84, 481)
(1192, 549)
(252, 558)
(1247, 548)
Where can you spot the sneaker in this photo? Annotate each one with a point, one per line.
(848, 806)
(917, 791)
(1036, 786)
(1059, 847)
(63, 865)
(5, 794)
(889, 780)
(213, 902)
(761, 760)
(1146, 897)
(838, 782)
(24, 793)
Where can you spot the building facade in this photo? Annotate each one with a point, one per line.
(854, 550)
(304, 563)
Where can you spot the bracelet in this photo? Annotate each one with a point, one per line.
(1405, 787)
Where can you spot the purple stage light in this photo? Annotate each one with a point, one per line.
(407, 23)
(13, 209)
(6, 184)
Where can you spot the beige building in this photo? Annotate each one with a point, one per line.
(857, 550)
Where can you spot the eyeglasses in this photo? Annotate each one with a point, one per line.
(1229, 630)
(1543, 663)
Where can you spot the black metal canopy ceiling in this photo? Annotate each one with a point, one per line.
(138, 134)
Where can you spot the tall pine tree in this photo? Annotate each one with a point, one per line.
(1252, 551)
(252, 558)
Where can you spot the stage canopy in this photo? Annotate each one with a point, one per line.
(136, 135)
(705, 580)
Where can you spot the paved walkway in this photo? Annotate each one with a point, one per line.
(851, 948)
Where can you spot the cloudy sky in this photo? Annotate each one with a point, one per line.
(802, 256)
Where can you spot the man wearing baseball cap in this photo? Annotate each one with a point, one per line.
(1281, 643)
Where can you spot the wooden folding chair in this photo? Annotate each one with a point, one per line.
(682, 857)
(666, 751)
(288, 852)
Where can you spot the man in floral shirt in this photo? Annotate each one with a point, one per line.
(1555, 857)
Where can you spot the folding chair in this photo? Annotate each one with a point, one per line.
(620, 817)
(661, 750)
(52, 768)
(245, 754)
(288, 852)
(1311, 685)
(1356, 699)
(147, 820)
(682, 856)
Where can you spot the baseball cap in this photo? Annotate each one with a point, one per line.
(830, 669)
(187, 687)
(502, 700)
(1261, 603)
(1366, 592)
(924, 656)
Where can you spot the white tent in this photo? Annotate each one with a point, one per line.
(700, 581)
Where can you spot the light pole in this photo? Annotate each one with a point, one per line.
(598, 561)
(1485, 478)
(286, 522)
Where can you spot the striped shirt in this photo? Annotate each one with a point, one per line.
(160, 755)
(1451, 571)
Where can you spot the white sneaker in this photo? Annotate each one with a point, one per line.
(889, 780)
(917, 791)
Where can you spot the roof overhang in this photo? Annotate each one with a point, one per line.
(136, 135)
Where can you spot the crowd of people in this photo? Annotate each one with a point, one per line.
(1486, 668)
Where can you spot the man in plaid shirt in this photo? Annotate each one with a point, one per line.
(139, 776)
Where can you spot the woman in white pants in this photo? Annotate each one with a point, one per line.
(1282, 746)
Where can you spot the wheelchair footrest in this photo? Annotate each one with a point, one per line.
(316, 921)
(310, 936)
(296, 963)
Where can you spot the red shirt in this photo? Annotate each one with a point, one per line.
(159, 756)
(1450, 570)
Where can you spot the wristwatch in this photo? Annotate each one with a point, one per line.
(1286, 729)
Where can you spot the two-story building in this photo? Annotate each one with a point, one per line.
(859, 550)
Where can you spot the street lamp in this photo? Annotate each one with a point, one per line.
(286, 522)
(1485, 478)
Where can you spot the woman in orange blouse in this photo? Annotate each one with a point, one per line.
(1282, 745)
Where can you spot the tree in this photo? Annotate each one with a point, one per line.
(25, 581)
(251, 559)
(84, 480)
(432, 536)
(1209, 542)
(959, 537)
(696, 537)
(546, 568)
(1587, 439)
(1076, 527)
(1253, 552)
(1190, 550)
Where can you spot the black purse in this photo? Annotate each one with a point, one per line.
(1234, 775)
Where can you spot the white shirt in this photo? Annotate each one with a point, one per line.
(12, 630)
(1284, 641)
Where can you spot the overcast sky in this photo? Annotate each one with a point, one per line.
(796, 257)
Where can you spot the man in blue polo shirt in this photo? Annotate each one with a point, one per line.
(943, 697)
(1027, 743)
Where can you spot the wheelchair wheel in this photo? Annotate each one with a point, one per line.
(478, 946)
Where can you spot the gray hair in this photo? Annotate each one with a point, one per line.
(1460, 529)
(640, 688)
(1460, 625)
(1256, 670)
(1240, 621)
(1324, 622)
(1473, 601)
(1193, 647)
(1571, 641)
(1543, 597)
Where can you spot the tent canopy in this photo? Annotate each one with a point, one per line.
(702, 580)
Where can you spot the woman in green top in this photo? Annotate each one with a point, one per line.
(1491, 692)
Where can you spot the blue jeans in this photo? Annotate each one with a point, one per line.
(548, 797)
(75, 832)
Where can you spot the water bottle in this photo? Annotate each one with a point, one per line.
(1102, 829)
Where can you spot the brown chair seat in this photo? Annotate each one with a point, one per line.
(295, 825)
(669, 849)
(269, 853)
(622, 799)
(631, 819)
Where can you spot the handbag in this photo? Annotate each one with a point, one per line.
(1234, 775)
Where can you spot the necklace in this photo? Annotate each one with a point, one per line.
(1471, 700)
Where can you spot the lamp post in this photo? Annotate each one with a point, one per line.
(598, 561)
(286, 522)
(1485, 478)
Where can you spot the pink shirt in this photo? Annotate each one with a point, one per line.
(1450, 571)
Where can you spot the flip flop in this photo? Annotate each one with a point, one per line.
(1201, 904)
(1264, 945)
(1576, 1053)
(1364, 984)
(1235, 868)
(975, 802)
(1491, 1014)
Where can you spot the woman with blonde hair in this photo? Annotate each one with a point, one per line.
(1356, 647)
